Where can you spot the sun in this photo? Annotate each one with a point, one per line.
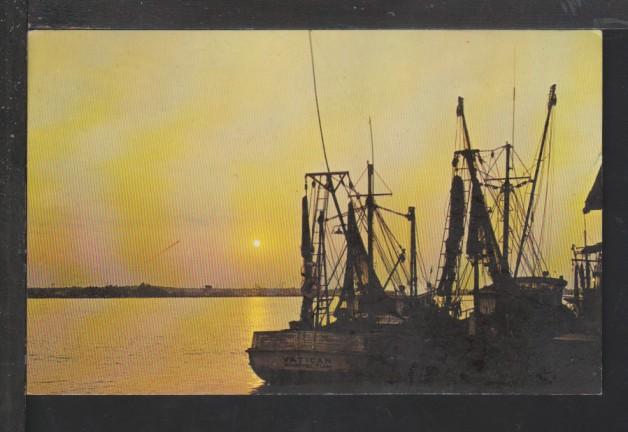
(256, 243)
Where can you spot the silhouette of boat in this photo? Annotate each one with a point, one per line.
(364, 316)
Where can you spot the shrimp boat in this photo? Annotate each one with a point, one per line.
(360, 321)
(487, 205)
(360, 292)
(521, 332)
(356, 319)
(364, 316)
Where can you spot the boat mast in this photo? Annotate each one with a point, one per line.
(507, 189)
(306, 253)
(493, 254)
(467, 141)
(370, 206)
(413, 274)
(321, 273)
(526, 226)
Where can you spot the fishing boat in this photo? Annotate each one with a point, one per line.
(364, 315)
(488, 206)
(522, 331)
(357, 319)
(354, 327)
(361, 301)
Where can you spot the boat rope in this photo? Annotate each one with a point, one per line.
(547, 205)
(382, 180)
(421, 262)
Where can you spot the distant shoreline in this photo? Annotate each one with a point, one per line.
(149, 291)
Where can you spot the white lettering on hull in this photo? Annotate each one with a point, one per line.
(307, 362)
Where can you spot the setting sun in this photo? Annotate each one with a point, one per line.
(256, 243)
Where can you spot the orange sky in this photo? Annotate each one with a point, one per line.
(140, 139)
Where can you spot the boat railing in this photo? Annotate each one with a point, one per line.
(307, 340)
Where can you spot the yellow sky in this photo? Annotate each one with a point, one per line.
(140, 139)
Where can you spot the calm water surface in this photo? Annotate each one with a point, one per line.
(148, 346)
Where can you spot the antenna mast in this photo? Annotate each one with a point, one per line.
(318, 111)
(514, 95)
(372, 146)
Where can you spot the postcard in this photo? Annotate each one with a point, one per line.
(321, 212)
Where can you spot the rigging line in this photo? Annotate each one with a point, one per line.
(390, 246)
(382, 179)
(337, 265)
(386, 236)
(360, 176)
(536, 204)
(523, 165)
(548, 206)
(546, 180)
(313, 208)
(335, 246)
(534, 249)
(530, 264)
(493, 165)
(518, 216)
(537, 245)
(312, 203)
(517, 220)
(535, 259)
(404, 215)
(463, 277)
(318, 111)
(394, 256)
(332, 250)
(439, 274)
(421, 261)
(388, 261)
(494, 149)
(382, 257)
(389, 231)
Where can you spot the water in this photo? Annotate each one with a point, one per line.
(148, 346)
(189, 346)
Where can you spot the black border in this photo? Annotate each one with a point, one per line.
(193, 14)
(13, 23)
(305, 413)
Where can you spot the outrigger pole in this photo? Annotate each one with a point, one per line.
(526, 226)
(494, 255)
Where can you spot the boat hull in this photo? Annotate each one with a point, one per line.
(308, 366)
(297, 356)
